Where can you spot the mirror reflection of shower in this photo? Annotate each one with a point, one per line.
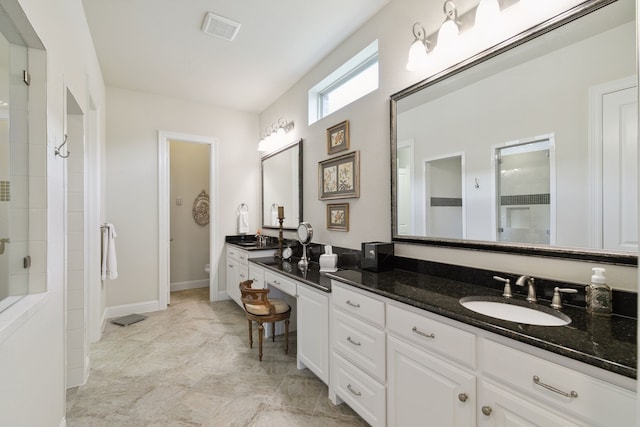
(525, 191)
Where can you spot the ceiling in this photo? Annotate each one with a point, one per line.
(157, 46)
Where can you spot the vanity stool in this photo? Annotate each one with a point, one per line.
(258, 308)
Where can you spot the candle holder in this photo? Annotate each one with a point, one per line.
(278, 253)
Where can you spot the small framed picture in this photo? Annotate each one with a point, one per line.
(339, 177)
(338, 138)
(338, 216)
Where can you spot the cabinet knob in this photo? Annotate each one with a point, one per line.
(462, 397)
(487, 410)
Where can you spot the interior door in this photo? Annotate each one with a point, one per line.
(620, 169)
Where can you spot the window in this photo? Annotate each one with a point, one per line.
(353, 80)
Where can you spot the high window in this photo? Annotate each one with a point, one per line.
(351, 81)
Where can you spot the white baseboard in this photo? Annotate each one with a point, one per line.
(126, 309)
(192, 284)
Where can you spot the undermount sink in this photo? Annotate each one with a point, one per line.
(515, 311)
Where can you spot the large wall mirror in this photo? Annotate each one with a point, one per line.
(282, 186)
(530, 147)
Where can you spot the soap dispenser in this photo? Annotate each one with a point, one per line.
(598, 296)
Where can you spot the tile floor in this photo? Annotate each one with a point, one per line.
(191, 365)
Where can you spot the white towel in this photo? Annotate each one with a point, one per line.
(109, 262)
(274, 215)
(243, 222)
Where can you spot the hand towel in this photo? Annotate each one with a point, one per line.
(274, 215)
(243, 221)
(109, 268)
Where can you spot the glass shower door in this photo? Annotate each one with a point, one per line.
(14, 174)
(524, 192)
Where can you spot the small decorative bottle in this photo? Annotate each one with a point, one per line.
(598, 297)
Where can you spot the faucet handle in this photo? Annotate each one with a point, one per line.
(507, 286)
(556, 301)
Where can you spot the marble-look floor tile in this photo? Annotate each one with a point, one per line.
(191, 365)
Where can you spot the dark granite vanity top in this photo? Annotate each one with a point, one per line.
(605, 342)
(311, 276)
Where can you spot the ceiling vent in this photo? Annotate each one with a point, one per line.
(221, 27)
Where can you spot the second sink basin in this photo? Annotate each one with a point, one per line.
(515, 311)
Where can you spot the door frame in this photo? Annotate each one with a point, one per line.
(164, 253)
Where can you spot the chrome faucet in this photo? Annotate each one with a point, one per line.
(530, 281)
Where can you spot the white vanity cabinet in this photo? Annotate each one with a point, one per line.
(440, 372)
(555, 394)
(313, 331)
(424, 378)
(238, 268)
(358, 372)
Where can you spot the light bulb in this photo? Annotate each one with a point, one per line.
(447, 34)
(487, 13)
(417, 56)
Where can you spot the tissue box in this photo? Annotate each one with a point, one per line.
(377, 256)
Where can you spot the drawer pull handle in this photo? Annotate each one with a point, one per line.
(462, 397)
(275, 282)
(356, 393)
(415, 330)
(353, 342)
(572, 394)
(486, 410)
(352, 304)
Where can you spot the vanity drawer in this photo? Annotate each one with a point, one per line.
(600, 403)
(277, 281)
(238, 254)
(363, 394)
(360, 343)
(362, 306)
(456, 345)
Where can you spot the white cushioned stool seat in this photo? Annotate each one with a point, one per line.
(262, 310)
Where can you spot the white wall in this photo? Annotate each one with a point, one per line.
(132, 179)
(369, 130)
(32, 390)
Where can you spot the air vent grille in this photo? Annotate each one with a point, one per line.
(218, 26)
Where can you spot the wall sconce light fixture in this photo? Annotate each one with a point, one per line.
(483, 17)
(271, 136)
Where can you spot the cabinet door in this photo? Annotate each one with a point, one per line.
(424, 390)
(236, 273)
(313, 331)
(500, 407)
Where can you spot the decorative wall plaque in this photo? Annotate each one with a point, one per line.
(201, 208)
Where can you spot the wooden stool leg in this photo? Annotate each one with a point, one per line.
(273, 331)
(286, 336)
(260, 335)
(250, 334)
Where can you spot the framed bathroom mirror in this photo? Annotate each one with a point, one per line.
(511, 150)
(282, 186)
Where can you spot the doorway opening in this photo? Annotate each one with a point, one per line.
(179, 232)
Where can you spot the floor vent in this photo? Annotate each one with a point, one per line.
(218, 26)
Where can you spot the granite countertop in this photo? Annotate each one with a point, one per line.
(605, 342)
(311, 276)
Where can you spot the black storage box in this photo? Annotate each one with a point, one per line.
(377, 256)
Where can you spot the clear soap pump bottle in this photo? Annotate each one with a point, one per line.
(598, 296)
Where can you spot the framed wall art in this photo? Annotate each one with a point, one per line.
(338, 138)
(339, 177)
(338, 216)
